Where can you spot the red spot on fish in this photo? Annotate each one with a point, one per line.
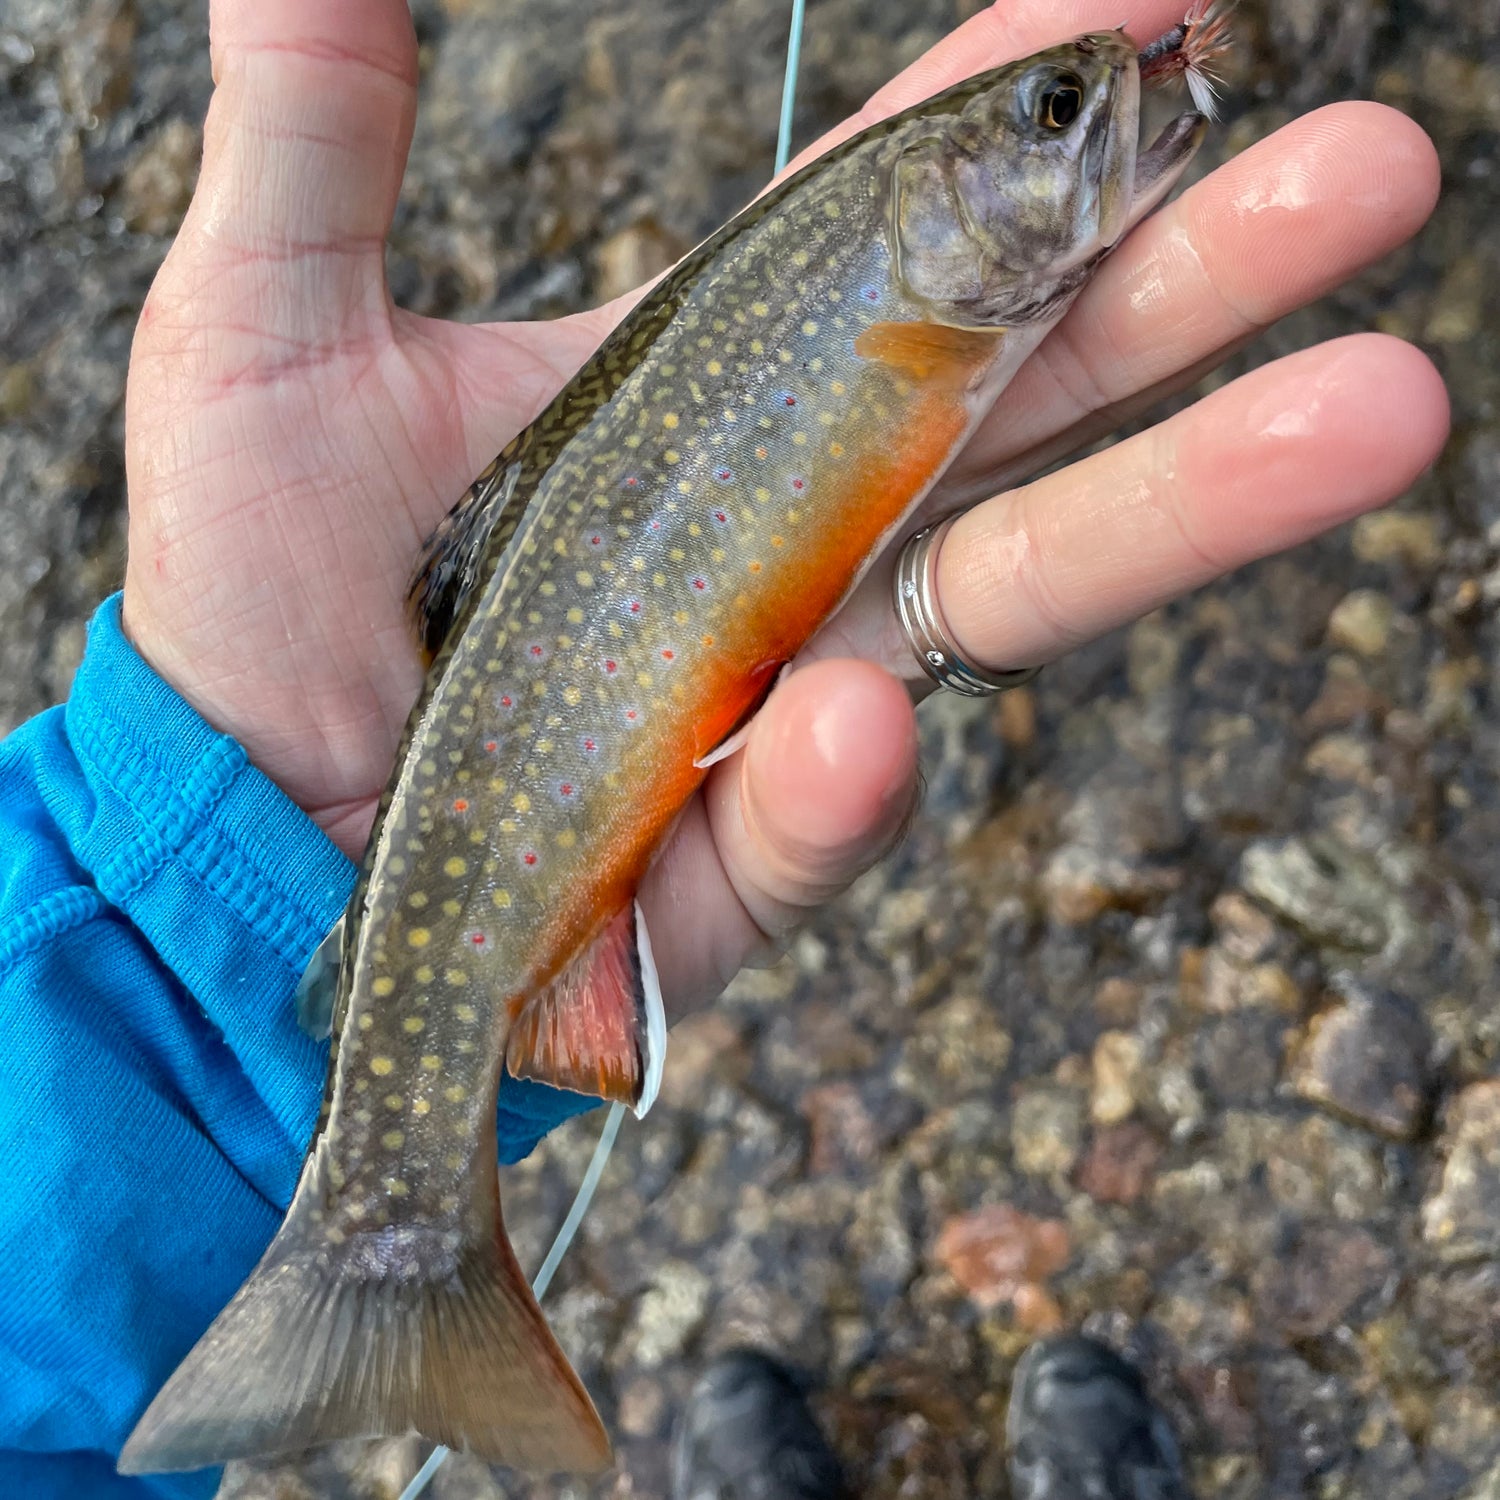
(761, 452)
(460, 805)
(478, 939)
(611, 667)
(700, 584)
(596, 540)
(870, 294)
(529, 857)
(634, 606)
(536, 651)
(506, 701)
(630, 716)
(668, 654)
(632, 483)
(566, 789)
(721, 517)
(723, 475)
(493, 745)
(655, 524)
(799, 485)
(590, 746)
(789, 399)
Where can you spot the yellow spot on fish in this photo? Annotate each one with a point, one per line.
(572, 697)
(424, 974)
(501, 900)
(566, 839)
(760, 309)
(669, 419)
(385, 985)
(521, 802)
(456, 977)
(412, 1025)
(799, 438)
(393, 1140)
(394, 1101)
(810, 327)
(762, 494)
(396, 865)
(380, 1066)
(575, 616)
(431, 1062)
(756, 347)
(585, 578)
(778, 540)
(835, 450)
(465, 1013)
(832, 208)
(754, 565)
(643, 678)
(451, 908)
(455, 1093)
(455, 867)
(366, 1021)
(394, 1186)
(714, 367)
(419, 937)
(421, 1106)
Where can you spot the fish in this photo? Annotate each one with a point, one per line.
(604, 610)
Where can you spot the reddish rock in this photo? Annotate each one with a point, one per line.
(1120, 1163)
(842, 1133)
(996, 1251)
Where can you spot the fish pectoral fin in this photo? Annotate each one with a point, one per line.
(449, 567)
(319, 985)
(931, 353)
(599, 1027)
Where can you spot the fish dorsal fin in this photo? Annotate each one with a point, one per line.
(449, 568)
(930, 353)
(598, 1028)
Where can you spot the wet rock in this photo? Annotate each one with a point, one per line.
(1336, 895)
(1314, 1286)
(1366, 1059)
(669, 1313)
(1046, 1130)
(843, 1136)
(1362, 623)
(1120, 1163)
(632, 257)
(958, 1048)
(999, 1252)
(1461, 1220)
(1118, 1073)
(1398, 536)
(158, 184)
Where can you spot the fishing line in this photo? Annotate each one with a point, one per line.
(597, 1162)
(543, 1278)
(789, 85)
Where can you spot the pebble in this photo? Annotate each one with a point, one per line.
(1361, 622)
(1116, 1078)
(1312, 1288)
(1366, 1058)
(998, 1252)
(1046, 1130)
(1120, 1163)
(668, 1313)
(1462, 1218)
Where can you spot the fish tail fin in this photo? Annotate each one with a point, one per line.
(372, 1335)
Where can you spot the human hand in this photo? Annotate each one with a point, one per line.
(292, 437)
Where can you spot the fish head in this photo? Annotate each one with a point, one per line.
(1000, 210)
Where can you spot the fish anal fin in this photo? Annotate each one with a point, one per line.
(318, 988)
(930, 353)
(365, 1335)
(722, 732)
(449, 568)
(587, 1030)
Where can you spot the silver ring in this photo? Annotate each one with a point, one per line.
(925, 629)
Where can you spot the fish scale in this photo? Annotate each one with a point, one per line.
(607, 605)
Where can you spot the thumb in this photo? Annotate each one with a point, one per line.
(305, 143)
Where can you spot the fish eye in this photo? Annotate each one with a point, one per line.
(1058, 104)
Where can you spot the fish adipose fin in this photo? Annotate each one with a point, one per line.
(373, 1335)
(318, 987)
(449, 567)
(931, 353)
(599, 1027)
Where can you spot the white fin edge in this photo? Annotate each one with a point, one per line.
(656, 1017)
(1202, 92)
(723, 751)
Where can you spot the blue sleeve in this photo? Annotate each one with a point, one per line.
(159, 898)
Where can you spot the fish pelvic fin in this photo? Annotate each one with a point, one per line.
(599, 1027)
(376, 1334)
(318, 988)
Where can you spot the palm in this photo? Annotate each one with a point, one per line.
(291, 438)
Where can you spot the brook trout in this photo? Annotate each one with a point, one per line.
(604, 608)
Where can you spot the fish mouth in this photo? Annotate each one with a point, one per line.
(1162, 163)
(1109, 154)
